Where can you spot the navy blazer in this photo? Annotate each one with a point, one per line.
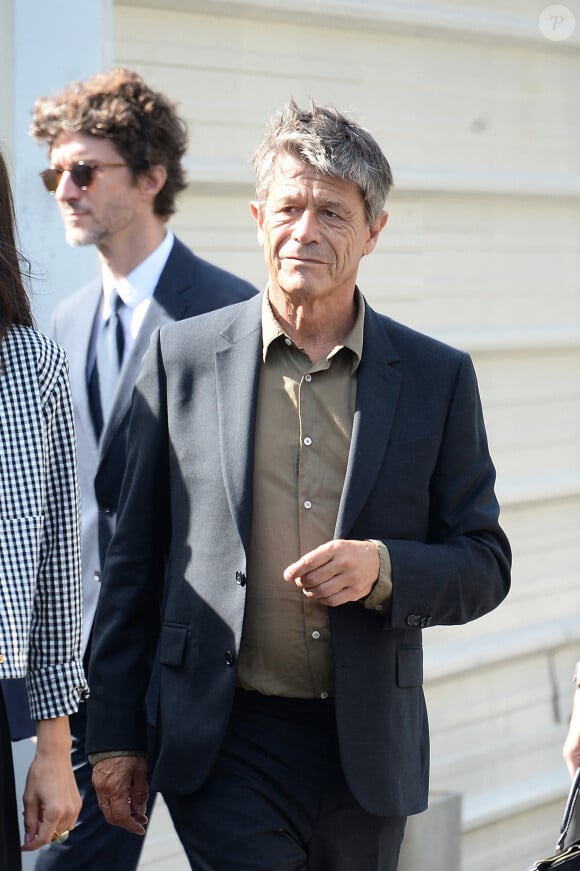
(419, 477)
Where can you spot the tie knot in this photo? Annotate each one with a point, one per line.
(115, 302)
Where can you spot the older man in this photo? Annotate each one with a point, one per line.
(317, 480)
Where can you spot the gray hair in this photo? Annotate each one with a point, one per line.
(331, 144)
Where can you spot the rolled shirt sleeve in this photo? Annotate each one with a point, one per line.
(56, 680)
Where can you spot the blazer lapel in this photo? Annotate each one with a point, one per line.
(77, 345)
(237, 375)
(378, 386)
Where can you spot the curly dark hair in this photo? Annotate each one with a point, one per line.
(14, 302)
(142, 124)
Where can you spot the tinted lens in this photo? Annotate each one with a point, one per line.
(81, 174)
(51, 178)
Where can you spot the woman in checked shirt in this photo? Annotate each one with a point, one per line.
(40, 580)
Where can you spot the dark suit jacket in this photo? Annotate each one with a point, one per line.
(419, 477)
(187, 286)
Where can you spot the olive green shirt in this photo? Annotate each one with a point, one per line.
(304, 422)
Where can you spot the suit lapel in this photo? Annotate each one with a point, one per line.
(237, 374)
(77, 344)
(378, 385)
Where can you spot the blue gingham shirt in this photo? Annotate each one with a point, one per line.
(40, 573)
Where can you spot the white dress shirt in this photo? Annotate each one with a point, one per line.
(136, 290)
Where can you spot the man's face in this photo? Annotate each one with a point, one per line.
(313, 231)
(111, 204)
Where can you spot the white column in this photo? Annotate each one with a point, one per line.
(43, 46)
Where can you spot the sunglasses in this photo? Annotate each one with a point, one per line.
(82, 174)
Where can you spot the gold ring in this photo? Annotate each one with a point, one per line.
(60, 837)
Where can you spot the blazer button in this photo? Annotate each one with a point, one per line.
(106, 509)
(229, 657)
(241, 579)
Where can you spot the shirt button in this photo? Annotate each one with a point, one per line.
(308, 504)
(308, 377)
(308, 441)
(97, 575)
(324, 695)
(316, 634)
(379, 608)
(287, 341)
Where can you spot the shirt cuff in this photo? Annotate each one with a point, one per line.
(109, 754)
(382, 590)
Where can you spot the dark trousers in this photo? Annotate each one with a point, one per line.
(93, 844)
(10, 857)
(277, 799)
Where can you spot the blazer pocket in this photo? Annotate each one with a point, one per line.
(172, 643)
(409, 666)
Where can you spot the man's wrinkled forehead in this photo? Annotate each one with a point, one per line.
(291, 175)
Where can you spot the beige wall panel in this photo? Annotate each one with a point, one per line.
(219, 226)
(532, 410)
(501, 102)
(452, 263)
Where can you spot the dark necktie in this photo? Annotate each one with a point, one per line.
(105, 374)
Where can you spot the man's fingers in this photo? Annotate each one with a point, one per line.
(310, 562)
(336, 572)
(122, 789)
(138, 801)
(118, 812)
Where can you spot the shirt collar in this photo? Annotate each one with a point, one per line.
(139, 284)
(272, 330)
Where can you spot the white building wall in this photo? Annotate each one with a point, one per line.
(42, 47)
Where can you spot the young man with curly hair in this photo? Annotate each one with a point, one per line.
(116, 148)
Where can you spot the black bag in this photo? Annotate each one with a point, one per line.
(565, 858)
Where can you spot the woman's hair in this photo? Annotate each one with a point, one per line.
(14, 302)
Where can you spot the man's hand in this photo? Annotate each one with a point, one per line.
(122, 789)
(51, 798)
(337, 572)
